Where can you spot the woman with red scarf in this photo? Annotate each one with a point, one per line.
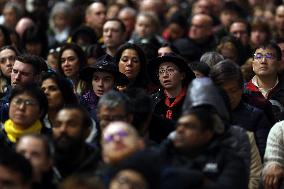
(173, 75)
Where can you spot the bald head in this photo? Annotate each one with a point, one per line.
(120, 140)
(201, 27)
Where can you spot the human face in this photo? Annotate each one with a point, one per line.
(52, 62)
(119, 141)
(102, 82)
(234, 92)
(107, 115)
(143, 26)
(24, 110)
(189, 134)
(33, 149)
(11, 179)
(239, 30)
(169, 75)
(265, 67)
(129, 179)
(129, 63)
(7, 59)
(200, 28)
(53, 94)
(68, 130)
(34, 48)
(22, 74)
(96, 16)
(227, 17)
(10, 17)
(229, 53)
(175, 31)
(60, 21)
(70, 63)
(279, 18)
(164, 50)
(113, 35)
(258, 37)
(128, 19)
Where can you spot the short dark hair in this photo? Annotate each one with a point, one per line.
(240, 20)
(36, 62)
(87, 120)
(122, 25)
(274, 46)
(35, 91)
(47, 144)
(17, 163)
(226, 70)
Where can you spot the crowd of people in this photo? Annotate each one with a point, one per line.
(141, 94)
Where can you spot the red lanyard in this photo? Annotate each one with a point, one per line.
(169, 113)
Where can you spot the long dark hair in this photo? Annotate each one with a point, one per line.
(142, 79)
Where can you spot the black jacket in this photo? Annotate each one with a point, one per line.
(220, 166)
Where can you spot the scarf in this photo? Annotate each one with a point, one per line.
(14, 134)
(178, 98)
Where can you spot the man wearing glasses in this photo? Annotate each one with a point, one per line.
(26, 70)
(266, 87)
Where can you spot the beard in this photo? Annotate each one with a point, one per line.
(68, 146)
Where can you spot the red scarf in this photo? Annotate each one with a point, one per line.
(178, 98)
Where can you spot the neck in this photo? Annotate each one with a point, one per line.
(266, 82)
(171, 93)
(51, 116)
(111, 51)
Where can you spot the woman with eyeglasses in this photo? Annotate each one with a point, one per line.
(27, 107)
(173, 74)
(71, 59)
(8, 56)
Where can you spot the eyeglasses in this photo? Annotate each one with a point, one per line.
(69, 59)
(168, 71)
(121, 134)
(20, 102)
(268, 56)
(10, 58)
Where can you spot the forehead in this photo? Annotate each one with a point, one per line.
(238, 26)
(24, 95)
(115, 127)
(102, 74)
(202, 19)
(117, 110)
(30, 143)
(69, 115)
(97, 7)
(129, 52)
(112, 24)
(7, 52)
(167, 64)
(49, 81)
(266, 50)
(21, 66)
(68, 52)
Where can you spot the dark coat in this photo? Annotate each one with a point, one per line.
(86, 166)
(160, 107)
(254, 120)
(219, 165)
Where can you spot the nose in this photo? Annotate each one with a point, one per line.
(18, 76)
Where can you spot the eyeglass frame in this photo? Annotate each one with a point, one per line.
(19, 102)
(266, 56)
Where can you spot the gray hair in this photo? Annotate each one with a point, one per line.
(59, 7)
(211, 58)
(113, 99)
(15, 6)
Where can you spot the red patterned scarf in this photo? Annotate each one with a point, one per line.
(178, 98)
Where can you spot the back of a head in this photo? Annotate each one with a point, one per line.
(211, 58)
(202, 91)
